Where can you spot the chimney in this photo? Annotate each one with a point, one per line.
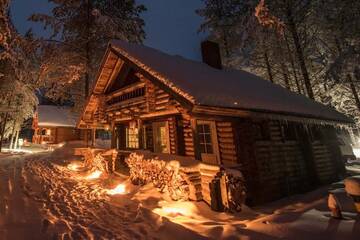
(211, 54)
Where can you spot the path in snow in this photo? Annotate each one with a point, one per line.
(77, 208)
(19, 214)
(42, 198)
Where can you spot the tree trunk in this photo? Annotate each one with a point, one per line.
(16, 144)
(284, 69)
(12, 136)
(268, 67)
(4, 123)
(87, 49)
(291, 59)
(354, 91)
(3, 130)
(299, 53)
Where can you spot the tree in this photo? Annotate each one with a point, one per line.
(18, 75)
(81, 30)
(311, 47)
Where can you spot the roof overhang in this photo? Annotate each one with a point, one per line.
(282, 116)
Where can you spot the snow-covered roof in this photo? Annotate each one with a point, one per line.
(55, 116)
(207, 86)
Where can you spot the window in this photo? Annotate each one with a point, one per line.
(161, 137)
(132, 137)
(204, 132)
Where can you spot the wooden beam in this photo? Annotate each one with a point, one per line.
(124, 90)
(160, 113)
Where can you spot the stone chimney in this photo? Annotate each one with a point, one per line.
(210, 52)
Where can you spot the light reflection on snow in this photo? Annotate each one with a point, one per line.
(173, 211)
(356, 152)
(73, 166)
(119, 189)
(94, 175)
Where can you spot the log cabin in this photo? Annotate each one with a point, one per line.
(54, 124)
(282, 142)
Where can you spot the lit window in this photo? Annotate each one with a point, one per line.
(204, 133)
(48, 132)
(132, 137)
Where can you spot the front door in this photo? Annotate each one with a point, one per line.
(161, 137)
(207, 139)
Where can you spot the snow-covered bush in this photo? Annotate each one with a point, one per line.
(163, 175)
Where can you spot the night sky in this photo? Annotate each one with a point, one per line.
(171, 25)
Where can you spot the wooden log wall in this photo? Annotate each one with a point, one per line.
(187, 128)
(226, 142)
(173, 135)
(162, 99)
(281, 169)
(325, 169)
(245, 147)
(275, 131)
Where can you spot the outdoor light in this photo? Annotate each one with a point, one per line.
(94, 175)
(119, 189)
(73, 166)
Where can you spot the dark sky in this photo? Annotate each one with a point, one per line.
(171, 25)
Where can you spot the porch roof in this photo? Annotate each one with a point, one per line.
(203, 85)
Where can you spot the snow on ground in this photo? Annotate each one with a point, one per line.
(51, 196)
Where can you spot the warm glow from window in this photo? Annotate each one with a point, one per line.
(119, 189)
(48, 132)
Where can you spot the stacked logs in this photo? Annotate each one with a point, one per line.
(193, 179)
(163, 175)
(234, 197)
(223, 189)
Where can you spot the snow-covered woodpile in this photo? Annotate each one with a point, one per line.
(98, 159)
(165, 176)
(223, 189)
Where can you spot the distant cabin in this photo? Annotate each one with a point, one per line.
(55, 124)
(282, 142)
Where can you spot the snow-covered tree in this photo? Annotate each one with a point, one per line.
(310, 47)
(81, 30)
(18, 76)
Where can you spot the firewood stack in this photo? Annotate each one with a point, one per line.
(193, 179)
(166, 177)
(232, 190)
(209, 185)
(223, 189)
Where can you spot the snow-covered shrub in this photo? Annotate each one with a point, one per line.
(163, 175)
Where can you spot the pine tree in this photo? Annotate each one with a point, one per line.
(81, 30)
